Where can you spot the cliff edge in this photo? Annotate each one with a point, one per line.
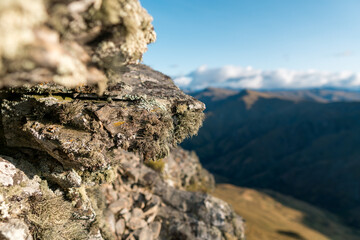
(88, 134)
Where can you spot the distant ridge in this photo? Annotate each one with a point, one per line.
(323, 95)
(302, 143)
(214, 94)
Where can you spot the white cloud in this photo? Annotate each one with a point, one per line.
(247, 77)
(182, 81)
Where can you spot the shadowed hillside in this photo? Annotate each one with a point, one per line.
(271, 215)
(306, 149)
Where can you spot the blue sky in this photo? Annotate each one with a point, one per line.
(265, 34)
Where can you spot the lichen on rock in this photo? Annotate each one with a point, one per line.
(88, 135)
(71, 43)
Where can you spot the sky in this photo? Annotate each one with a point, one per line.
(291, 37)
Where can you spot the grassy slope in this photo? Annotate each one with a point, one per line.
(272, 216)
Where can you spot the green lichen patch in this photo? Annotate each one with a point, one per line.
(158, 165)
(187, 124)
(199, 185)
(98, 177)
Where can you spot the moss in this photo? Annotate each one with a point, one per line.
(187, 124)
(198, 185)
(153, 131)
(181, 108)
(51, 217)
(15, 190)
(158, 165)
(69, 110)
(57, 97)
(99, 177)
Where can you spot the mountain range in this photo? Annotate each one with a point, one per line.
(300, 143)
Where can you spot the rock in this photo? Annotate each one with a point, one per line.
(120, 227)
(184, 171)
(110, 219)
(146, 234)
(55, 42)
(152, 210)
(126, 216)
(120, 204)
(155, 229)
(7, 173)
(74, 131)
(136, 223)
(14, 229)
(137, 213)
(73, 148)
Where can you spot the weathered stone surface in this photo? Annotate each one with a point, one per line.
(155, 228)
(110, 219)
(175, 212)
(146, 234)
(184, 171)
(120, 227)
(150, 210)
(75, 157)
(136, 223)
(14, 229)
(120, 205)
(79, 128)
(70, 42)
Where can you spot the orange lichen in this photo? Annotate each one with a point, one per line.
(116, 124)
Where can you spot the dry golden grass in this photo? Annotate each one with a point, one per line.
(272, 216)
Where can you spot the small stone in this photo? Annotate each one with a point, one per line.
(155, 229)
(74, 178)
(137, 213)
(126, 216)
(136, 223)
(152, 210)
(148, 196)
(120, 227)
(151, 218)
(146, 234)
(133, 174)
(149, 178)
(110, 219)
(113, 195)
(119, 205)
(14, 229)
(7, 173)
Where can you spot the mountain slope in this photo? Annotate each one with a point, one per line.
(306, 149)
(271, 215)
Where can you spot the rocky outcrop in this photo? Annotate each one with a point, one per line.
(182, 170)
(77, 169)
(71, 43)
(134, 203)
(85, 161)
